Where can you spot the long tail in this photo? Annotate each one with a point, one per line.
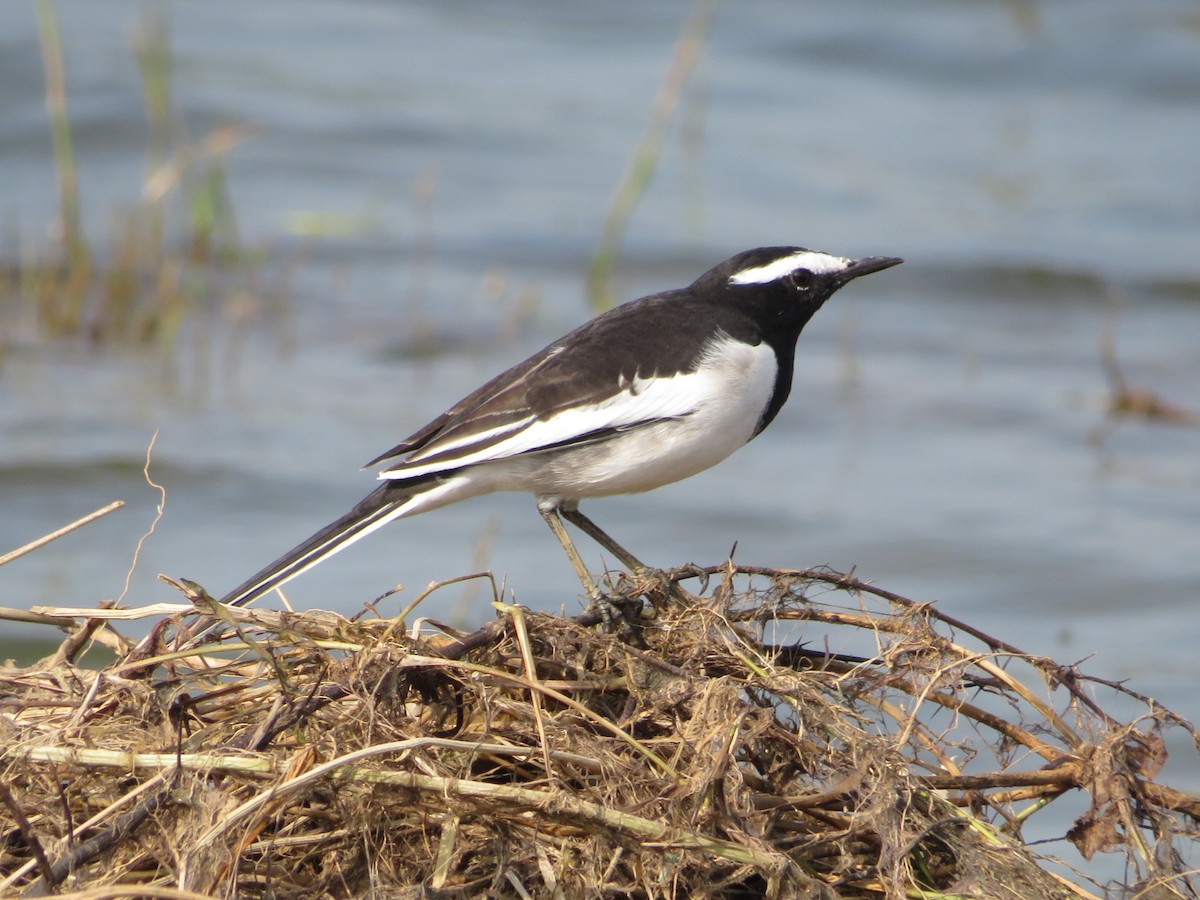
(381, 506)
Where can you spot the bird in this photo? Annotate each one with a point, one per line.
(645, 394)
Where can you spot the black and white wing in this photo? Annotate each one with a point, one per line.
(588, 386)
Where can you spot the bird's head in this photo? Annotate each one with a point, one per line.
(790, 283)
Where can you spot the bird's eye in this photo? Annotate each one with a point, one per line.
(800, 279)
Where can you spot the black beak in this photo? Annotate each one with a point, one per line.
(866, 266)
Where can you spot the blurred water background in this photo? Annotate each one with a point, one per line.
(419, 190)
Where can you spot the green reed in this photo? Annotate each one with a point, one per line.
(173, 250)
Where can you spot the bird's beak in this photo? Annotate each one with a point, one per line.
(867, 265)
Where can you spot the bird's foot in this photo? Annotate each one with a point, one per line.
(655, 585)
(620, 615)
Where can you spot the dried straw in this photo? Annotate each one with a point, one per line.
(704, 754)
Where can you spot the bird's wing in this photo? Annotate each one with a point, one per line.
(430, 432)
(584, 387)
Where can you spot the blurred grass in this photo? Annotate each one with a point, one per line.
(174, 250)
(638, 175)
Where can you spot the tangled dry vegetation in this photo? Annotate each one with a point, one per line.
(705, 754)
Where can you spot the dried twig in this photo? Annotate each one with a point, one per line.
(65, 530)
(541, 754)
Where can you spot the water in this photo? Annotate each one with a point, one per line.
(1034, 163)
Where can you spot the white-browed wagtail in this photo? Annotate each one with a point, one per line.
(643, 395)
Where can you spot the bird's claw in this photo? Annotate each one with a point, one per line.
(620, 615)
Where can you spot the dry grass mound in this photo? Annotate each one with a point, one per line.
(702, 753)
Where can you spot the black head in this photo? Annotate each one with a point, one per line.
(786, 284)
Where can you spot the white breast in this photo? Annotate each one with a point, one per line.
(724, 402)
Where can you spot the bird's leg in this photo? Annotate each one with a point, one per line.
(638, 568)
(550, 513)
(617, 616)
(601, 537)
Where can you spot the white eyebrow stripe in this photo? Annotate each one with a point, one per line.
(816, 262)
